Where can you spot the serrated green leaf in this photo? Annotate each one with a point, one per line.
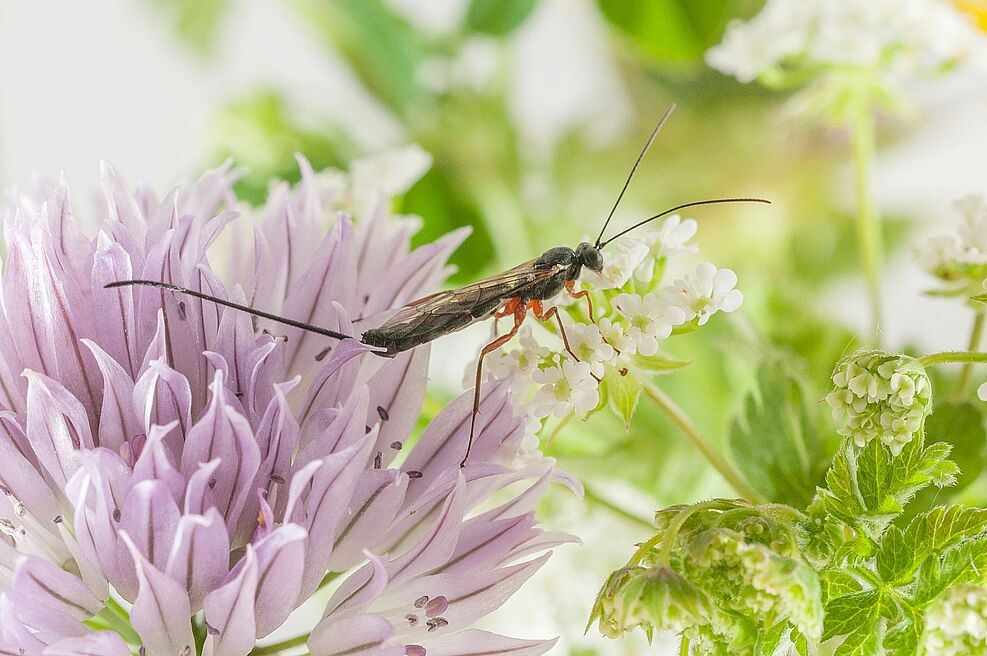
(837, 583)
(768, 641)
(774, 441)
(962, 563)
(497, 17)
(903, 638)
(622, 393)
(801, 644)
(874, 475)
(944, 526)
(849, 613)
(895, 555)
(866, 642)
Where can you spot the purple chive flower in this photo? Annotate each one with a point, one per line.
(176, 476)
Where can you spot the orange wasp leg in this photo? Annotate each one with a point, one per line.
(541, 315)
(570, 287)
(520, 312)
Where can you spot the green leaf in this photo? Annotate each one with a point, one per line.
(850, 613)
(903, 638)
(658, 363)
(773, 439)
(769, 640)
(960, 425)
(837, 583)
(497, 16)
(895, 556)
(960, 564)
(622, 391)
(196, 22)
(944, 526)
(865, 642)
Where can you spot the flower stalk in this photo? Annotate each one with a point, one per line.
(692, 432)
(869, 238)
(976, 335)
(952, 356)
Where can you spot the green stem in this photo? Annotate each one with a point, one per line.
(278, 647)
(115, 617)
(592, 496)
(952, 356)
(868, 222)
(975, 336)
(694, 435)
(684, 647)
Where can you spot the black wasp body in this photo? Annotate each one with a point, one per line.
(446, 312)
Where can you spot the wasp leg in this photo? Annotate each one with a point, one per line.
(554, 312)
(520, 312)
(570, 287)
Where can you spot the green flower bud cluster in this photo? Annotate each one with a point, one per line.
(718, 572)
(882, 396)
(956, 623)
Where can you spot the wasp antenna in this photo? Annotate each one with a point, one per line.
(714, 201)
(230, 304)
(654, 133)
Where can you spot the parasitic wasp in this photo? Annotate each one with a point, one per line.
(514, 293)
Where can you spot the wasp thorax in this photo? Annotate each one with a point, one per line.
(590, 257)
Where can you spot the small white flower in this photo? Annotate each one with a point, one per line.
(390, 173)
(939, 253)
(703, 295)
(517, 364)
(666, 241)
(588, 344)
(615, 335)
(567, 387)
(651, 319)
(619, 263)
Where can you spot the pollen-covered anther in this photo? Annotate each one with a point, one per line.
(421, 601)
(437, 623)
(414, 650)
(7, 527)
(412, 619)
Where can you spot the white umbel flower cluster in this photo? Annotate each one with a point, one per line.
(961, 255)
(898, 37)
(882, 396)
(635, 314)
(956, 624)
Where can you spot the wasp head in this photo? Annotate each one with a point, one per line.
(590, 257)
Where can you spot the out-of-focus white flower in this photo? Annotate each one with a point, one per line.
(566, 387)
(472, 67)
(901, 37)
(959, 256)
(982, 392)
(703, 295)
(668, 240)
(588, 344)
(651, 319)
(624, 256)
(956, 623)
(388, 174)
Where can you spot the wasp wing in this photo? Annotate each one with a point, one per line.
(444, 312)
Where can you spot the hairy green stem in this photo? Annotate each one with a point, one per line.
(975, 337)
(868, 222)
(694, 435)
(952, 356)
(278, 647)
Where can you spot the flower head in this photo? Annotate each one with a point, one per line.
(668, 240)
(709, 291)
(956, 623)
(650, 319)
(881, 396)
(897, 36)
(170, 465)
(622, 258)
(653, 599)
(959, 258)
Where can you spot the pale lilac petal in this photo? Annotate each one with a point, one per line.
(156, 462)
(397, 392)
(333, 382)
(483, 643)
(199, 558)
(117, 422)
(225, 434)
(57, 426)
(360, 588)
(229, 610)
(362, 635)
(19, 475)
(378, 496)
(280, 565)
(161, 612)
(14, 632)
(55, 588)
(100, 643)
(118, 332)
(161, 396)
(150, 517)
(436, 545)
